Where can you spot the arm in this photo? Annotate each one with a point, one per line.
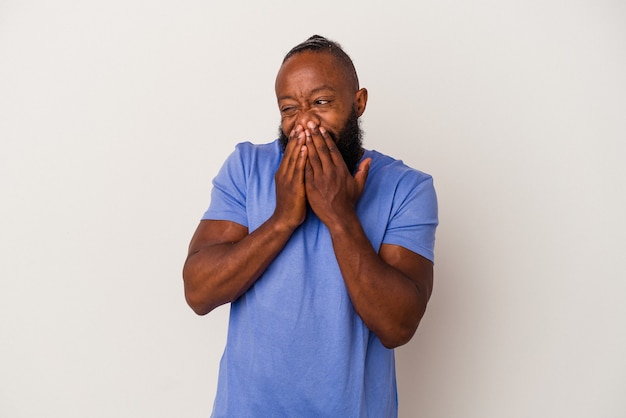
(224, 260)
(389, 290)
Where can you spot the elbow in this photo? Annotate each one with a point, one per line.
(195, 295)
(199, 298)
(400, 332)
(397, 337)
(196, 304)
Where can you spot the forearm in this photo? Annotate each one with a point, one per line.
(388, 301)
(216, 274)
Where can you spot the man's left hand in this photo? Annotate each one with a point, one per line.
(331, 190)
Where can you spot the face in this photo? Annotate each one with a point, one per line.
(313, 86)
(349, 141)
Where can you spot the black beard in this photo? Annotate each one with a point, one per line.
(349, 141)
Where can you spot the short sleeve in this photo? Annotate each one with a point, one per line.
(228, 197)
(414, 218)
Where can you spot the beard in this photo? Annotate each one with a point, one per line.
(349, 141)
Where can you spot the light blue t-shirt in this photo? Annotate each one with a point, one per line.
(296, 347)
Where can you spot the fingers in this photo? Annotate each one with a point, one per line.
(299, 148)
(322, 151)
(289, 181)
(331, 147)
(294, 156)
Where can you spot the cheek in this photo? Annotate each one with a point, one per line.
(287, 125)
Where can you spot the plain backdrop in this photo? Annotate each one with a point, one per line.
(115, 116)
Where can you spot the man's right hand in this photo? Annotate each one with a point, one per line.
(291, 203)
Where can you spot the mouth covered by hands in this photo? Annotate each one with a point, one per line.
(313, 171)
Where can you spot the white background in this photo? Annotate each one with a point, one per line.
(115, 116)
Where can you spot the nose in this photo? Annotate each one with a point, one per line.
(307, 115)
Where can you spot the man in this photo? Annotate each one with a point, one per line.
(323, 249)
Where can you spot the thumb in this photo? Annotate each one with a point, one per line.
(361, 174)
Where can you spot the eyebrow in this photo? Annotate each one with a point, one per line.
(314, 91)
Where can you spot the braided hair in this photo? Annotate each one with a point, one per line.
(319, 44)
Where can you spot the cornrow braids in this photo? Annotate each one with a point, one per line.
(319, 44)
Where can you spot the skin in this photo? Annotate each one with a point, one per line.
(389, 288)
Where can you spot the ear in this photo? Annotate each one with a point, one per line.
(360, 101)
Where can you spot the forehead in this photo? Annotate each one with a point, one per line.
(310, 70)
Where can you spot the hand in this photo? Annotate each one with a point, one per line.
(290, 191)
(331, 190)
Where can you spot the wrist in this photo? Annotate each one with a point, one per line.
(281, 225)
(347, 224)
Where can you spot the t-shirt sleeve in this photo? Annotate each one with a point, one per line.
(414, 216)
(228, 197)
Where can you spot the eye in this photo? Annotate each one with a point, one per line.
(288, 110)
(322, 102)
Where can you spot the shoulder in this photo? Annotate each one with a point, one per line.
(248, 156)
(389, 170)
(250, 150)
(411, 203)
(269, 147)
